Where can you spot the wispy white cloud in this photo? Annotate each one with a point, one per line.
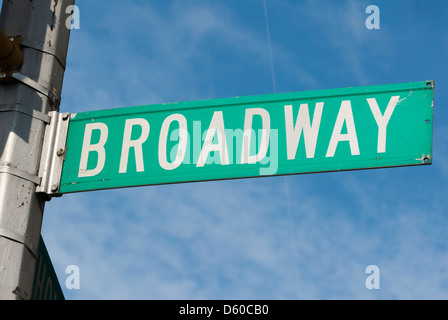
(157, 56)
(339, 27)
(167, 54)
(212, 237)
(217, 241)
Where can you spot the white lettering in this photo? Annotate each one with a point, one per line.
(98, 147)
(136, 144)
(345, 115)
(310, 132)
(265, 133)
(182, 146)
(382, 120)
(216, 127)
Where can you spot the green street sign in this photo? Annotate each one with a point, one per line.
(256, 136)
(46, 284)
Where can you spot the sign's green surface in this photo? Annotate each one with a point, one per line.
(289, 133)
(46, 284)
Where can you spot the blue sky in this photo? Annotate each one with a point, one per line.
(295, 237)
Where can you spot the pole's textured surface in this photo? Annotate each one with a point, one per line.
(41, 28)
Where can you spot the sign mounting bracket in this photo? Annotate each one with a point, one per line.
(53, 153)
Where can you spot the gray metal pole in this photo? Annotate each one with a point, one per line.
(24, 107)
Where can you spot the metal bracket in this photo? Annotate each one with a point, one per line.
(19, 238)
(51, 94)
(6, 168)
(24, 42)
(17, 107)
(53, 153)
(41, 47)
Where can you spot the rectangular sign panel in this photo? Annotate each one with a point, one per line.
(241, 137)
(46, 284)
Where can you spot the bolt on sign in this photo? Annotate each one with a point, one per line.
(255, 136)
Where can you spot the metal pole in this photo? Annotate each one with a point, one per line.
(40, 27)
